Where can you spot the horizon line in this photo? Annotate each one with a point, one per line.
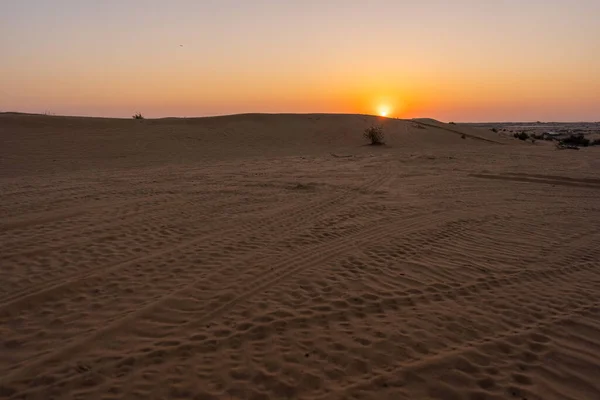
(46, 114)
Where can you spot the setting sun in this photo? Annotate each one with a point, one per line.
(384, 111)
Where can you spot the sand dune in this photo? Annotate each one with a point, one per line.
(276, 256)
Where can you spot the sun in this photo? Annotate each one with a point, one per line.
(384, 111)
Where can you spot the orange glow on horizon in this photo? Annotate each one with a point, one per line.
(451, 69)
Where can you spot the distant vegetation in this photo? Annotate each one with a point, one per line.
(576, 140)
(374, 135)
(452, 123)
(521, 136)
(570, 141)
(494, 130)
(138, 116)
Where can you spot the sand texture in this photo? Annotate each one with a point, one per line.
(277, 257)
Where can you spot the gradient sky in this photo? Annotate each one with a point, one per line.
(461, 60)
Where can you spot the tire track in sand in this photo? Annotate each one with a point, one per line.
(284, 268)
(426, 300)
(286, 217)
(400, 374)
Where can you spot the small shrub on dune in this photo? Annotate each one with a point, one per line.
(374, 135)
(138, 116)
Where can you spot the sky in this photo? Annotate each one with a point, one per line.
(461, 60)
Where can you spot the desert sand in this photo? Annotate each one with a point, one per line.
(278, 257)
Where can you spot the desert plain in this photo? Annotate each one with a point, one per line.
(280, 257)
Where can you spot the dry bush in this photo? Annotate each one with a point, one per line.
(374, 134)
(576, 140)
(521, 136)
